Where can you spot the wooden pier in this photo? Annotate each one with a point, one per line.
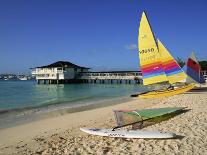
(112, 77)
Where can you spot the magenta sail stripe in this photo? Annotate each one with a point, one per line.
(151, 67)
(151, 70)
(150, 73)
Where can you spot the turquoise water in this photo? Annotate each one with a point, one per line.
(27, 94)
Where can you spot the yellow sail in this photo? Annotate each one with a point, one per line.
(172, 70)
(149, 56)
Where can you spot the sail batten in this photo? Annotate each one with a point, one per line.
(150, 61)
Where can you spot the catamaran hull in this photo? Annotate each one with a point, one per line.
(167, 93)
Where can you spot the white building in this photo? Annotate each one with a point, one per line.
(58, 72)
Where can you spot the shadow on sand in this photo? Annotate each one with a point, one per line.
(199, 89)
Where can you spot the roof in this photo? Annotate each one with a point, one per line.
(62, 64)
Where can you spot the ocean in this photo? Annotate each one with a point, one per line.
(20, 100)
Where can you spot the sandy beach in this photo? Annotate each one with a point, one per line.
(61, 134)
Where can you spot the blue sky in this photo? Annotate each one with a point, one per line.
(100, 34)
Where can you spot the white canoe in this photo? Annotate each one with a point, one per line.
(128, 134)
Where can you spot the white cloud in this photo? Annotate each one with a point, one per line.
(131, 47)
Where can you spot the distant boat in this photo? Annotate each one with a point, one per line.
(157, 64)
(22, 78)
(193, 70)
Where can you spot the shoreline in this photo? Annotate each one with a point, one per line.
(61, 134)
(43, 101)
(17, 117)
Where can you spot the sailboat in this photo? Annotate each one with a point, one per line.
(157, 64)
(131, 117)
(193, 70)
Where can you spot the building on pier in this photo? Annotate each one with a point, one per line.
(67, 72)
(58, 72)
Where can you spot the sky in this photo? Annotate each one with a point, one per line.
(100, 34)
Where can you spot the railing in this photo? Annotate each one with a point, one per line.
(46, 75)
(48, 72)
(60, 74)
(103, 76)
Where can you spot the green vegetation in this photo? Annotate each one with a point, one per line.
(203, 65)
(180, 62)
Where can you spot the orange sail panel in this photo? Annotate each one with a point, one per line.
(172, 70)
(149, 56)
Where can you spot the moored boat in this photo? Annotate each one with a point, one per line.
(157, 64)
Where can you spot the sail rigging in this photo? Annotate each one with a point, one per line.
(129, 117)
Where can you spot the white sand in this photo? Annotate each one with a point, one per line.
(61, 135)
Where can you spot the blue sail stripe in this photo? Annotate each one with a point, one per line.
(154, 74)
(195, 75)
(175, 72)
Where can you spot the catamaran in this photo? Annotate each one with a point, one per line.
(157, 64)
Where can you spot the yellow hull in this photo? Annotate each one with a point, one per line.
(159, 94)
